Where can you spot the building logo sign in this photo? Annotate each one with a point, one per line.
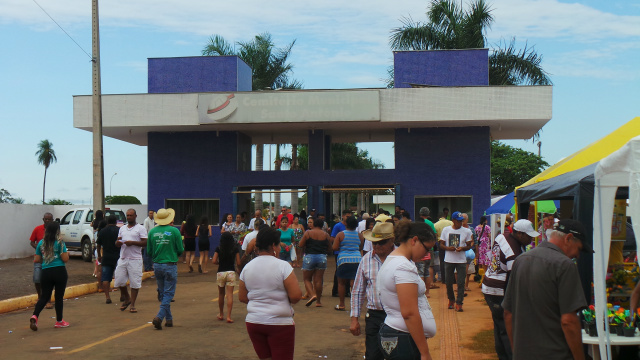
(221, 107)
(294, 106)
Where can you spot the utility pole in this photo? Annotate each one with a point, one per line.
(98, 163)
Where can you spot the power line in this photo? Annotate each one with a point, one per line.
(90, 57)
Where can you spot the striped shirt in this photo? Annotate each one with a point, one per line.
(349, 248)
(366, 282)
(503, 253)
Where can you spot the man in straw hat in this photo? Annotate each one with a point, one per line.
(164, 247)
(381, 237)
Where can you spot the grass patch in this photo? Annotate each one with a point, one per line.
(483, 342)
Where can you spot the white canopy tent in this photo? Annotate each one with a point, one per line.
(620, 169)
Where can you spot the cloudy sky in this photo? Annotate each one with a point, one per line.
(591, 49)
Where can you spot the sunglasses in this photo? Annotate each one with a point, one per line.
(425, 248)
(422, 241)
(381, 242)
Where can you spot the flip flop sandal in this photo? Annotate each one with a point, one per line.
(311, 301)
(338, 308)
(124, 306)
(133, 310)
(108, 301)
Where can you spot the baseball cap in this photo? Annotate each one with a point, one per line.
(526, 227)
(457, 216)
(569, 226)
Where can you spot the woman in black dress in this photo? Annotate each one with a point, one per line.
(203, 231)
(190, 230)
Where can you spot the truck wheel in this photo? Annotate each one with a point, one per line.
(86, 250)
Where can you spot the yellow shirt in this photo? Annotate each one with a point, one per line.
(441, 224)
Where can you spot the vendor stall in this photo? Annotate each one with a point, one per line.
(620, 169)
(575, 187)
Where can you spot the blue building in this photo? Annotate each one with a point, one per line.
(200, 120)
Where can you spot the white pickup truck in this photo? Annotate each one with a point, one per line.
(76, 230)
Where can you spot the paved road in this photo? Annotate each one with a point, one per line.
(101, 331)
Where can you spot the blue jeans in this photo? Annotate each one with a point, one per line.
(397, 345)
(166, 278)
(146, 260)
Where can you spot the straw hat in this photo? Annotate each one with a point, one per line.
(164, 216)
(381, 231)
(382, 218)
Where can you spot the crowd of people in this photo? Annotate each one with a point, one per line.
(389, 263)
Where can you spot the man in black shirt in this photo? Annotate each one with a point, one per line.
(108, 253)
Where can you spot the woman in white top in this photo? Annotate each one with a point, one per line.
(268, 286)
(409, 320)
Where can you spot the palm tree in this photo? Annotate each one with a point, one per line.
(259, 166)
(46, 156)
(269, 67)
(451, 27)
(294, 166)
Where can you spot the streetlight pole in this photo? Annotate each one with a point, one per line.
(114, 174)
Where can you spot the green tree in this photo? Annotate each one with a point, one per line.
(269, 66)
(5, 197)
(58, 202)
(121, 200)
(45, 156)
(511, 167)
(451, 27)
(344, 156)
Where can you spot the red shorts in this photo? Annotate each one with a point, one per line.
(272, 341)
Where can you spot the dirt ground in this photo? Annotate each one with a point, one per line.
(16, 275)
(100, 331)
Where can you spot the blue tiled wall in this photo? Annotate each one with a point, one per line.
(431, 162)
(441, 67)
(444, 161)
(198, 74)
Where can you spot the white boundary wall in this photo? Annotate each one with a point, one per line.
(20, 220)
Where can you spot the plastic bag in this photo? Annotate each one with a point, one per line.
(292, 252)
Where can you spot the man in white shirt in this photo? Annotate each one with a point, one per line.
(148, 224)
(362, 225)
(252, 235)
(455, 240)
(131, 239)
(256, 215)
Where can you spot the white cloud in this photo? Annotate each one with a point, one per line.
(554, 19)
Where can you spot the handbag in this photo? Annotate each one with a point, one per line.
(470, 254)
